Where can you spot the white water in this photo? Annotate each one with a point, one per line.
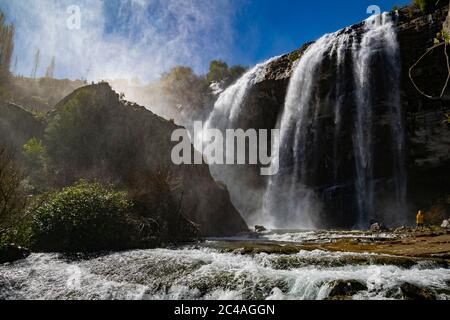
(225, 115)
(202, 273)
(230, 102)
(288, 202)
(379, 37)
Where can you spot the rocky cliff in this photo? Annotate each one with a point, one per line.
(427, 132)
(115, 141)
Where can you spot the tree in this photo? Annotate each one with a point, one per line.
(37, 58)
(35, 153)
(218, 71)
(184, 88)
(236, 72)
(426, 6)
(12, 196)
(49, 73)
(6, 46)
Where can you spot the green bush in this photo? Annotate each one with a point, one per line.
(426, 6)
(83, 217)
(219, 71)
(35, 153)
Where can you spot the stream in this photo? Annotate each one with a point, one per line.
(203, 271)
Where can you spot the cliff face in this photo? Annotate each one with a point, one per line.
(17, 126)
(129, 140)
(111, 140)
(427, 135)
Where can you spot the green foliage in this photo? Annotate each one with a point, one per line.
(446, 118)
(236, 72)
(426, 6)
(83, 217)
(35, 153)
(6, 46)
(184, 89)
(75, 132)
(13, 199)
(442, 37)
(219, 71)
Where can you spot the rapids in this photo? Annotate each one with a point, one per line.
(202, 271)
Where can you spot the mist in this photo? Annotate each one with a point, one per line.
(120, 39)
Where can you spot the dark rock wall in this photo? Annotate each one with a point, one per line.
(427, 136)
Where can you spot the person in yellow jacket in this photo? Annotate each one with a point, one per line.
(420, 219)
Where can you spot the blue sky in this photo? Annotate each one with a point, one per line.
(144, 38)
(275, 27)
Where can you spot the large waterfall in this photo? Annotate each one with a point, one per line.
(228, 113)
(344, 78)
(379, 38)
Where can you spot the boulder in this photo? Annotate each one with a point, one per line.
(412, 292)
(260, 229)
(376, 227)
(345, 288)
(12, 252)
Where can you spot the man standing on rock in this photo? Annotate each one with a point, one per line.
(420, 220)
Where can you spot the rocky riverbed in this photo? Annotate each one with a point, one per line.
(272, 265)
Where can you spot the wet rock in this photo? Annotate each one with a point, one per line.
(376, 227)
(260, 229)
(345, 288)
(402, 229)
(447, 24)
(12, 252)
(413, 292)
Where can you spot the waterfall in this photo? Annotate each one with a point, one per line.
(226, 114)
(289, 201)
(329, 129)
(228, 106)
(287, 192)
(379, 38)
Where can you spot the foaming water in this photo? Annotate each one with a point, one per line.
(205, 273)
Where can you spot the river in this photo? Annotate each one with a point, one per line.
(208, 271)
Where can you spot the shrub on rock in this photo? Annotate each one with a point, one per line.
(83, 217)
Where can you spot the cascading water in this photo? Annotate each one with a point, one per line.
(226, 114)
(288, 201)
(340, 82)
(229, 104)
(189, 273)
(288, 191)
(379, 39)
